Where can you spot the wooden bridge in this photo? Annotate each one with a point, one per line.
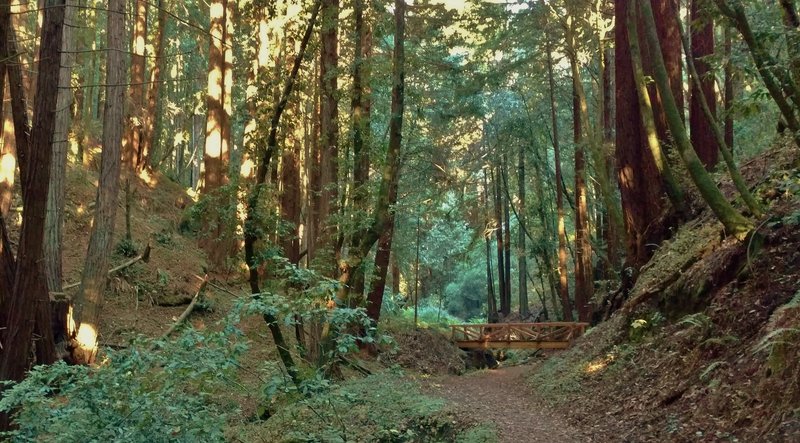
(553, 335)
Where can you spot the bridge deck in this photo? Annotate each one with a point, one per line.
(552, 335)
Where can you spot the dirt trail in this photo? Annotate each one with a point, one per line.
(502, 397)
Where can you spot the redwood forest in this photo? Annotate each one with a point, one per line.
(400, 221)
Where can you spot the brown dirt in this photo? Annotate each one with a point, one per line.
(424, 350)
(727, 371)
(502, 398)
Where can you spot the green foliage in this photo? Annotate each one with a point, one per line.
(166, 394)
(126, 248)
(164, 238)
(383, 407)
(642, 327)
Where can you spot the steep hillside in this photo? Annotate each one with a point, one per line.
(706, 347)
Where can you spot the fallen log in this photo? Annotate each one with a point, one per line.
(188, 309)
(144, 256)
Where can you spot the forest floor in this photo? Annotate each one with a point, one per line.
(503, 398)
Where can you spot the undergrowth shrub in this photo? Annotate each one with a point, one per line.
(155, 391)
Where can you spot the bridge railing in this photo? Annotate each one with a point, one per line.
(550, 332)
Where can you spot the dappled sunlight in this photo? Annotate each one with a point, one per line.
(150, 180)
(86, 341)
(598, 365)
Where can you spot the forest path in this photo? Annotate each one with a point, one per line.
(502, 397)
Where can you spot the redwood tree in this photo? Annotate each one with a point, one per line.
(703, 140)
(28, 301)
(385, 212)
(95, 269)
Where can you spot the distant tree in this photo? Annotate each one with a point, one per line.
(132, 155)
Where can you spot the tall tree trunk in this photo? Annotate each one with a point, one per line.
(491, 305)
(699, 127)
(217, 143)
(563, 282)
(639, 178)
(28, 305)
(329, 137)
(522, 253)
(360, 110)
(251, 233)
(735, 224)
(716, 132)
(8, 152)
(611, 231)
(133, 131)
(506, 235)
(583, 252)
(501, 250)
(154, 90)
(95, 269)
(385, 211)
(671, 185)
(56, 196)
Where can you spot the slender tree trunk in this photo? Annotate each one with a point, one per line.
(611, 231)
(329, 136)
(93, 281)
(385, 212)
(8, 152)
(717, 133)
(776, 79)
(154, 90)
(56, 196)
(501, 250)
(563, 282)
(506, 234)
(216, 241)
(251, 233)
(352, 268)
(699, 127)
(491, 305)
(133, 131)
(28, 306)
(522, 253)
(583, 252)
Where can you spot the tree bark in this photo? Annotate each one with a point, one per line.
(133, 131)
(329, 137)
(563, 282)
(702, 46)
(154, 91)
(28, 307)
(56, 196)
(671, 185)
(501, 249)
(93, 280)
(522, 253)
(735, 224)
(387, 195)
(251, 233)
(506, 234)
(639, 178)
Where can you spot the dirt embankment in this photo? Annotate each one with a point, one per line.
(707, 347)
